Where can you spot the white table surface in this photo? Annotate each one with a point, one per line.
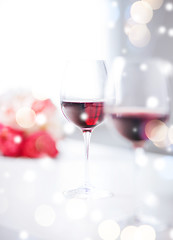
(28, 187)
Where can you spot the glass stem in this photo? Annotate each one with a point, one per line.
(140, 159)
(87, 136)
(139, 152)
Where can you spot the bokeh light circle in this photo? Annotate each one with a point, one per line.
(152, 102)
(169, 6)
(108, 230)
(84, 116)
(170, 32)
(45, 215)
(29, 176)
(171, 233)
(41, 119)
(128, 233)
(69, 128)
(139, 35)
(25, 117)
(23, 235)
(155, 4)
(124, 50)
(162, 30)
(167, 70)
(17, 139)
(162, 144)
(141, 160)
(141, 12)
(143, 67)
(128, 25)
(156, 130)
(151, 200)
(145, 232)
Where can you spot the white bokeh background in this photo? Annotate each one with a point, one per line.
(37, 36)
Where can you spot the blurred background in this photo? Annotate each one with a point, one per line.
(37, 37)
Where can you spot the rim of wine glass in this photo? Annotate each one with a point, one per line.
(168, 70)
(87, 60)
(146, 60)
(105, 65)
(141, 59)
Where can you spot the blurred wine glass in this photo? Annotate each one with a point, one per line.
(137, 106)
(82, 102)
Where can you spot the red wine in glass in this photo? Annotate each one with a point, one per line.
(132, 125)
(85, 115)
(84, 107)
(137, 106)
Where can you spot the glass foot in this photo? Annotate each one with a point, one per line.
(138, 220)
(87, 192)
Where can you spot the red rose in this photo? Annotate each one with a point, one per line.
(11, 141)
(39, 144)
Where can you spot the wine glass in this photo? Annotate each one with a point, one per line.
(138, 105)
(82, 103)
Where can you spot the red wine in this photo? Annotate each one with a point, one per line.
(132, 125)
(85, 115)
